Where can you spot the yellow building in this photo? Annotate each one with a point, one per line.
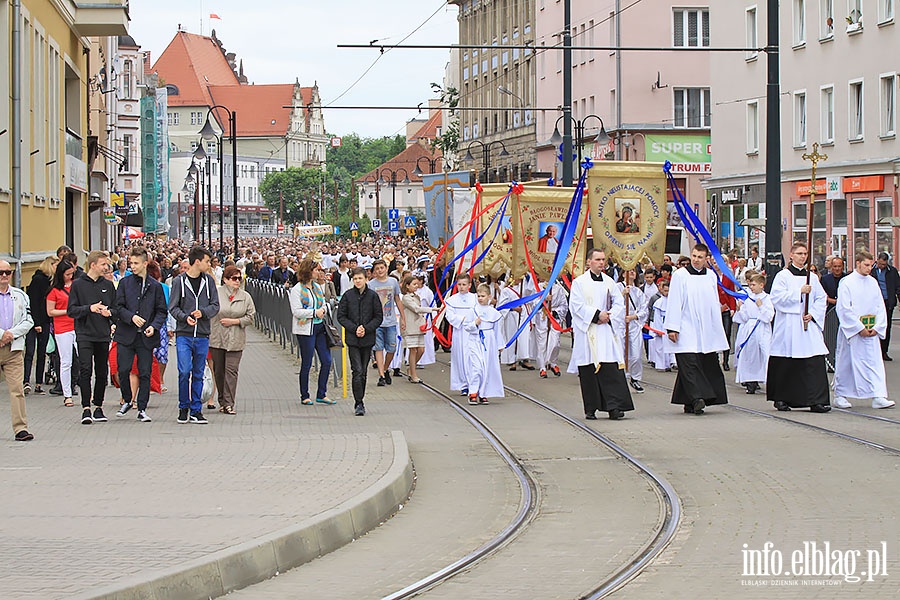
(44, 131)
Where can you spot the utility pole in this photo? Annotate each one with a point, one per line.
(280, 209)
(567, 95)
(773, 148)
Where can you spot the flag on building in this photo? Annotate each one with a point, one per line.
(214, 16)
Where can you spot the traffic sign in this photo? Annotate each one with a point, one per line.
(409, 221)
(394, 226)
(354, 226)
(393, 213)
(410, 232)
(354, 233)
(281, 228)
(376, 224)
(337, 230)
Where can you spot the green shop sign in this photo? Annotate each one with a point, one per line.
(688, 153)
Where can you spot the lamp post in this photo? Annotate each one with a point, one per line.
(431, 162)
(374, 179)
(194, 175)
(187, 191)
(393, 182)
(556, 139)
(208, 133)
(485, 155)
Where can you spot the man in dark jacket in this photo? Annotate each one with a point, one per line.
(92, 300)
(360, 314)
(889, 282)
(141, 306)
(193, 301)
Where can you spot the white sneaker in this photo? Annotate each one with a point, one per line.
(882, 403)
(841, 402)
(143, 417)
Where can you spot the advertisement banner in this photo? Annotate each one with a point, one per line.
(688, 153)
(314, 230)
(628, 211)
(539, 215)
(438, 215)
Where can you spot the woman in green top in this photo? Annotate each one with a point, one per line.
(308, 309)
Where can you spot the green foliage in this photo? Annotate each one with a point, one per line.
(298, 187)
(448, 141)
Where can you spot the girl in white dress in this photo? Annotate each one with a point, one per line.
(482, 327)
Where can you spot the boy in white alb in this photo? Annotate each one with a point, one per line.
(636, 315)
(754, 338)
(484, 338)
(660, 347)
(458, 307)
(545, 334)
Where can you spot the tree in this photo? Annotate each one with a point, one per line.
(300, 189)
(448, 141)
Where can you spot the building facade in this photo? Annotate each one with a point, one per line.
(44, 102)
(498, 137)
(838, 88)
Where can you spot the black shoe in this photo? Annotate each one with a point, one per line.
(782, 406)
(197, 418)
(615, 415)
(387, 377)
(183, 415)
(381, 382)
(26, 388)
(699, 405)
(689, 409)
(360, 410)
(725, 366)
(86, 417)
(590, 416)
(526, 365)
(819, 408)
(886, 358)
(636, 386)
(24, 436)
(397, 373)
(124, 409)
(56, 391)
(99, 417)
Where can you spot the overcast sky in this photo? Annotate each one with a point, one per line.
(283, 40)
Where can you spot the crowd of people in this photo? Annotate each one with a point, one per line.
(121, 313)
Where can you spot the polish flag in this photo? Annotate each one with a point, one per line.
(215, 16)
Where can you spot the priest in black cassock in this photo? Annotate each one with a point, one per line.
(694, 325)
(596, 305)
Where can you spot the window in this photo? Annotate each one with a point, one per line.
(855, 111)
(888, 105)
(196, 118)
(691, 27)
(884, 234)
(799, 119)
(799, 22)
(885, 11)
(826, 19)
(854, 16)
(211, 148)
(172, 118)
(861, 210)
(127, 143)
(692, 107)
(752, 36)
(127, 91)
(828, 115)
(753, 127)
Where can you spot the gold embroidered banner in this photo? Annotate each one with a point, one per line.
(539, 216)
(628, 210)
(501, 256)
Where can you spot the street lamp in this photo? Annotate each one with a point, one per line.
(393, 182)
(193, 173)
(374, 179)
(198, 157)
(208, 133)
(432, 162)
(556, 139)
(485, 155)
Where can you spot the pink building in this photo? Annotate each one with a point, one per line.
(654, 105)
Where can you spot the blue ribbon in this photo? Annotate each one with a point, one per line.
(737, 353)
(562, 253)
(701, 235)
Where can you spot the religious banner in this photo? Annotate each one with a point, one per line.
(313, 230)
(499, 239)
(628, 210)
(463, 202)
(539, 214)
(438, 216)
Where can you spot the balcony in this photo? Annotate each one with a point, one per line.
(101, 18)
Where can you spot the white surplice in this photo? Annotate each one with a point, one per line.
(595, 343)
(510, 323)
(788, 337)
(659, 349)
(483, 343)
(754, 338)
(859, 368)
(637, 304)
(694, 311)
(458, 306)
(428, 357)
(546, 336)
(525, 344)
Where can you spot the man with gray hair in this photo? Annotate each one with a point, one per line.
(15, 323)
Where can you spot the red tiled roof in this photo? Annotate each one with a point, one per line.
(192, 62)
(429, 129)
(407, 160)
(260, 108)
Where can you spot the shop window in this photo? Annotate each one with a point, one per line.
(884, 234)
(861, 213)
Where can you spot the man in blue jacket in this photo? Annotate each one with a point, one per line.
(141, 305)
(193, 301)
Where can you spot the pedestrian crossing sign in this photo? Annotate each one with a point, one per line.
(409, 221)
(354, 226)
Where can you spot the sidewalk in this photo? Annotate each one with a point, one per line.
(89, 510)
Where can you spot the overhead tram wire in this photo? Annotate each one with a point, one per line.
(488, 47)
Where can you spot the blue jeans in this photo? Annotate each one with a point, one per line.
(191, 364)
(318, 343)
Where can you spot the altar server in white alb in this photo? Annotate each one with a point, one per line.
(796, 376)
(694, 326)
(546, 334)
(427, 297)
(595, 303)
(859, 370)
(482, 326)
(458, 307)
(636, 316)
(659, 349)
(754, 338)
(505, 295)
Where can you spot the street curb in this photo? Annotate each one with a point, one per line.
(261, 558)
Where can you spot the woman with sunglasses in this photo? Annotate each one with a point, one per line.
(227, 335)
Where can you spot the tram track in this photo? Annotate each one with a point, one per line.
(671, 511)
